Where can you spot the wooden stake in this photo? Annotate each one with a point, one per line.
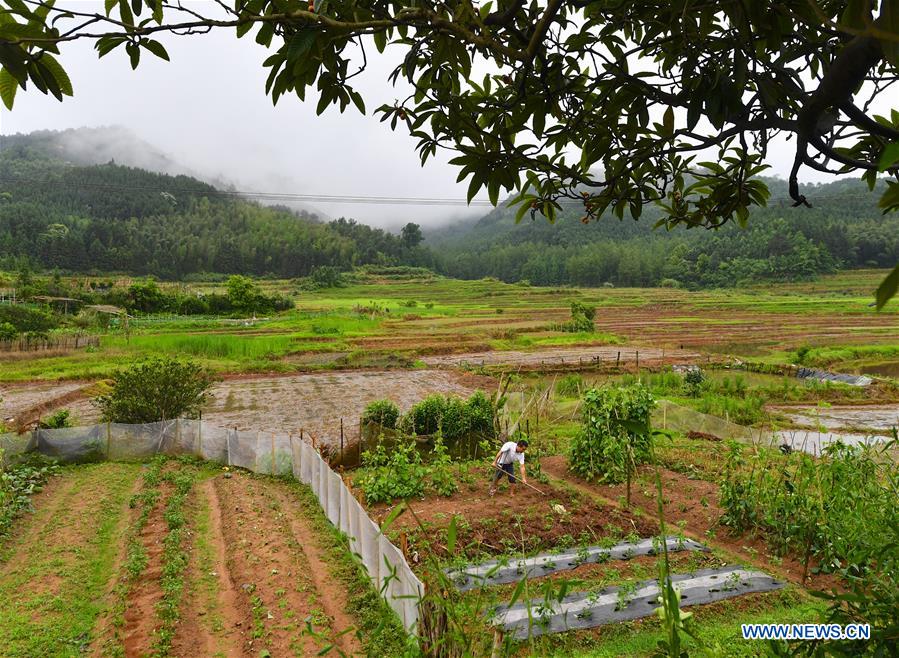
(273, 453)
(497, 643)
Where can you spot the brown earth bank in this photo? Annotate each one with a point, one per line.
(581, 355)
(691, 504)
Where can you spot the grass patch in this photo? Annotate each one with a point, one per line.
(53, 596)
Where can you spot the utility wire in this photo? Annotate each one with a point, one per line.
(333, 198)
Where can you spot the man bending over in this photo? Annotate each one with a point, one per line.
(510, 453)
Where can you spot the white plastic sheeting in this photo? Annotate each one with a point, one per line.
(260, 452)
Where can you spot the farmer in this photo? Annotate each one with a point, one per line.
(510, 452)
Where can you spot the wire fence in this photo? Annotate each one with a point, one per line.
(267, 453)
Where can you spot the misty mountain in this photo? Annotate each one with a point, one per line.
(119, 145)
(56, 214)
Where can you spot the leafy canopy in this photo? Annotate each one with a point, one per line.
(603, 104)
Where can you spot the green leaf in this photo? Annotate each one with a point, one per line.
(380, 40)
(394, 513)
(58, 73)
(357, 101)
(300, 43)
(888, 157)
(127, 16)
(156, 48)
(887, 288)
(134, 54)
(8, 87)
(109, 4)
(451, 536)
(668, 122)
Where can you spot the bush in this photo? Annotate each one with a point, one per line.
(156, 389)
(615, 435)
(8, 331)
(382, 412)
(582, 317)
(25, 319)
(453, 417)
(443, 480)
(570, 386)
(326, 276)
(58, 420)
(387, 477)
(694, 380)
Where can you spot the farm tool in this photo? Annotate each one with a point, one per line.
(542, 493)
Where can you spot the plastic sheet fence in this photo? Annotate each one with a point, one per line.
(668, 415)
(260, 452)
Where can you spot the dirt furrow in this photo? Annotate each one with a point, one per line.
(334, 596)
(140, 620)
(276, 594)
(214, 619)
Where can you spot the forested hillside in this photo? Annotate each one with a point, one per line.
(60, 215)
(843, 229)
(59, 212)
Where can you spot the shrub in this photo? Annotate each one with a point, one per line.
(387, 477)
(156, 389)
(443, 480)
(694, 380)
(582, 317)
(58, 420)
(8, 331)
(381, 412)
(453, 417)
(615, 435)
(26, 319)
(326, 276)
(425, 416)
(570, 386)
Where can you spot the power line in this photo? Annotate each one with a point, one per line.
(342, 198)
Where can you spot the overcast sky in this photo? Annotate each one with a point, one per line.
(207, 108)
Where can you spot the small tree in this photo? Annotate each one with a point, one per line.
(156, 389)
(411, 235)
(242, 293)
(615, 436)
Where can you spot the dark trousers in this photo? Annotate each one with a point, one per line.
(508, 470)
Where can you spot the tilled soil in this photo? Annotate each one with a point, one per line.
(518, 522)
(558, 356)
(140, 620)
(53, 566)
(279, 578)
(691, 504)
